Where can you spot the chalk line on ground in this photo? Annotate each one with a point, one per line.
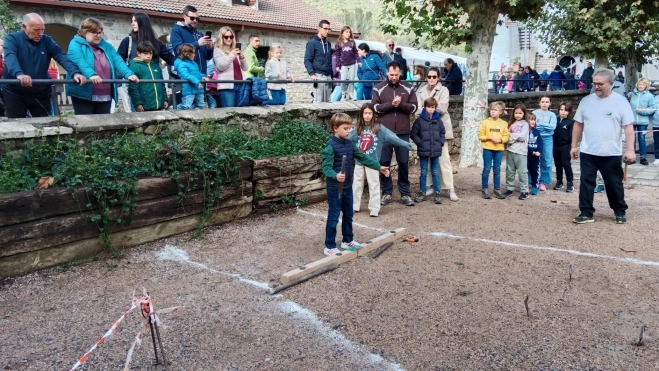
(291, 307)
(547, 248)
(353, 223)
(173, 253)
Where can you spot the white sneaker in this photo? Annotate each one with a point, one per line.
(332, 252)
(351, 246)
(453, 196)
(656, 162)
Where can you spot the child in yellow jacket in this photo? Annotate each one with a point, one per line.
(493, 135)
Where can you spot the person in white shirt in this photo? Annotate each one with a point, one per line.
(598, 125)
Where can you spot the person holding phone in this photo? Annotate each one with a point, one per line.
(186, 32)
(230, 62)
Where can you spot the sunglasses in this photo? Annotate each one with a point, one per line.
(194, 19)
(230, 37)
(390, 45)
(432, 77)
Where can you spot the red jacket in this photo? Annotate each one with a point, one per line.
(396, 119)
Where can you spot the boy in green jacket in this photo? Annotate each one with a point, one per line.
(147, 96)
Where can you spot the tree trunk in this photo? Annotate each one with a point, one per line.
(601, 60)
(483, 26)
(631, 69)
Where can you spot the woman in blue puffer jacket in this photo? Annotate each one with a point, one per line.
(371, 68)
(643, 105)
(97, 60)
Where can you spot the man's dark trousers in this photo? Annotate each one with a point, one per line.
(402, 157)
(16, 105)
(611, 169)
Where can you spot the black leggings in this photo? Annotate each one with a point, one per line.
(562, 162)
(88, 107)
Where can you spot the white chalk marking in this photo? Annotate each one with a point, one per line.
(173, 253)
(353, 223)
(338, 338)
(547, 248)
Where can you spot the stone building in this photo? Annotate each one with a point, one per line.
(287, 22)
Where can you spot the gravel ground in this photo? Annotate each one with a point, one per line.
(452, 301)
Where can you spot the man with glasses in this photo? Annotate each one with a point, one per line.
(601, 119)
(318, 62)
(186, 32)
(27, 56)
(389, 56)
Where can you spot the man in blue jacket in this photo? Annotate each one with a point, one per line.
(452, 77)
(318, 62)
(186, 32)
(27, 56)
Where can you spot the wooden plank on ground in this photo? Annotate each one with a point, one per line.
(345, 256)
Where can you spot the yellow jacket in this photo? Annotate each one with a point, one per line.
(491, 128)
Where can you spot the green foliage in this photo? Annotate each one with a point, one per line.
(109, 168)
(7, 19)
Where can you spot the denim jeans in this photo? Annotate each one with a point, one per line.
(359, 91)
(227, 97)
(546, 159)
(492, 161)
(434, 170)
(367, 91)
(278, 98)
(336, 207)
(192, 101)
(641, 139)
(212, 99)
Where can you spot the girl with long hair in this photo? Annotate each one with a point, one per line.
(142, 31)
(516, 153)
(346, 60)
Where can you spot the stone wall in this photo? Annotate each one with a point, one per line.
(15, 134)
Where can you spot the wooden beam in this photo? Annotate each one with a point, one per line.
(345, 255)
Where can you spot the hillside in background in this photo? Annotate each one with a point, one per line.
(363, 17)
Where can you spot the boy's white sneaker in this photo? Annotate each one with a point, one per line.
(656, 162)
(332, 252)
(351, 246)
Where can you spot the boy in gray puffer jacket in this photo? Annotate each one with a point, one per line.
(429, 134)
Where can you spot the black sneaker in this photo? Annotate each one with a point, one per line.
(386, 199)
(498, 194)
(620, 219)
(569, 188)
(644, 161)
(558, 186)
(507, 193)
(581, 219)
(407, 201)
(524, 196)
(485, 193)
(420, 197)
(438, 197)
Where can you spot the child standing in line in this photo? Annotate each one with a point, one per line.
(546, 124)
(562, 143)
(516, 155)
(346, 60)
(147, 97)
(429, 134)
(340, 201)
(276, 69)
(493, 134)
(535, 148)
(187, 69)
(369, 137)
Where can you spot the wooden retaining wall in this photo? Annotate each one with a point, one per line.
(45, 228)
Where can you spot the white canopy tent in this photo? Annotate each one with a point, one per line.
(415, 56)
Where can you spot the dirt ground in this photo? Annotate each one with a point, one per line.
(452, 301)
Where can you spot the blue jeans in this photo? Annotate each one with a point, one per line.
(492, 161)
(336, 207)
(192, 101)
(278, 98)
(212, 99)
(641, 140)
(546, 159)
(367, 91)
(434, 170)
(227, 97)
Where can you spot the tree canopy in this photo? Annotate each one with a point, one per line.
(7, 19)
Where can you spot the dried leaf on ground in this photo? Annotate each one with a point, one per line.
(45, 182)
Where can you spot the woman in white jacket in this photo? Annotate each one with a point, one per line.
(230, 63)
(276, 69)
(441, 94)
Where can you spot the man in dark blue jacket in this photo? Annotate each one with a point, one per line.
(453, 77)
(318, 62)
(27, 56)
(186, 32)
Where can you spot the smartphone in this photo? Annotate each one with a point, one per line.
(209, 34)
(239, 46)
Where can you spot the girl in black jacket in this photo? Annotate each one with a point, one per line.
(428, 133)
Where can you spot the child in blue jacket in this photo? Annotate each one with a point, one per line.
(193, 91)
(535, 149)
